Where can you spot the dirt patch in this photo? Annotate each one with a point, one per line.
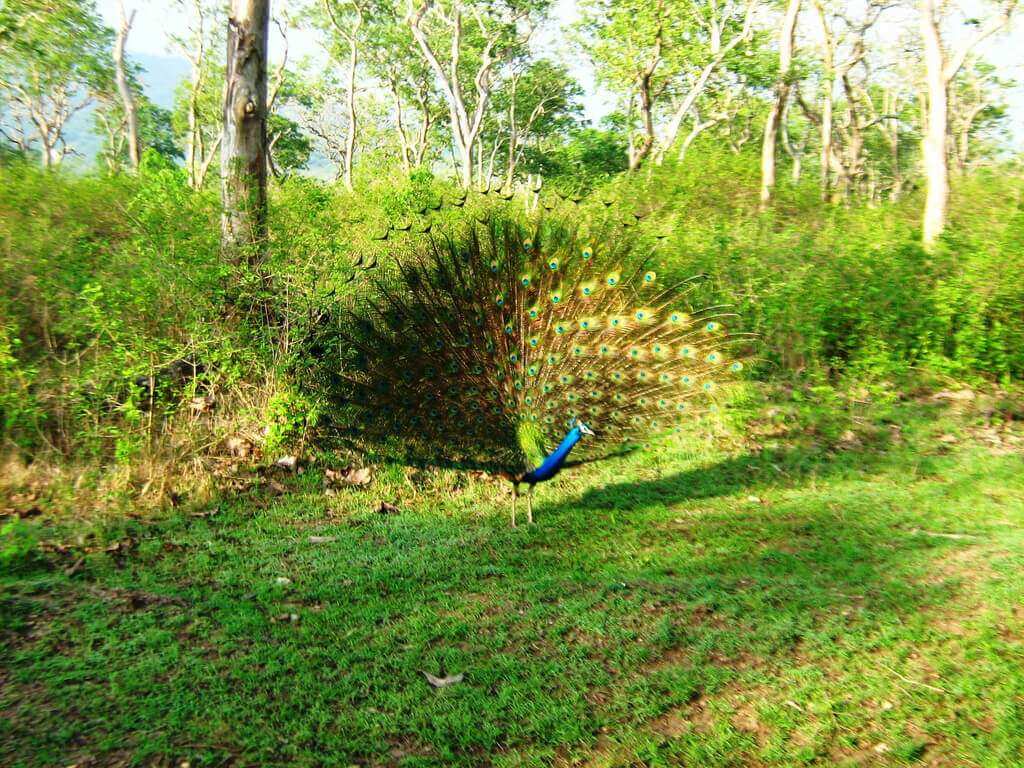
(695, 717)
(971, 564)
(745, 720)
(673, 657)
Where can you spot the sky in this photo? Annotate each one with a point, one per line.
(156, 20)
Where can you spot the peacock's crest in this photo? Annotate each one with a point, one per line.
(481, 346)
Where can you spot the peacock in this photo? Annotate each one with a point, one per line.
(523, 344)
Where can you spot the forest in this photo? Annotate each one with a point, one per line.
(294, 289)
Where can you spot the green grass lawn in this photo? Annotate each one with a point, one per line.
(824, 584)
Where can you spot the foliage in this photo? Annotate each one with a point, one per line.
(110, 279)
(588, 158)
(53, 59)
(18, 541)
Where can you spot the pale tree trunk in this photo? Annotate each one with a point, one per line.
(403, 139)
(853, 137)
(718, 51)
(963, 142)
(244, 142)
(699, 126)
(480, 165)
(423, 138)
(350, 105)
(824, 170)
(933, 143)
(515, 150)
(274, 89)
(646, 92)
(465, 126)
(794, 150)
(351, 36)
(510, 166)
(787, 37)
(940, 69)
(127, 98)
(890, 128)
(643, 149)
(195, 156)
(47, 115)
(826, 143)
(192, 136)
(490, 162)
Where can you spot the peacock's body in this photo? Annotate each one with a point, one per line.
(512, 344)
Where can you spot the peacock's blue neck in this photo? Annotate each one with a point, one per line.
(554, 462)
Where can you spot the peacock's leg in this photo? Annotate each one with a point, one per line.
(529, 505)
(515, 495)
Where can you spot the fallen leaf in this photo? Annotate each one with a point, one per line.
(357, 476)
(238, 447)
(443, 682)
(387, 508)
(849, 439)
(347, 476)
(948, 439)
(290, 463)
(322, 539)
(282, 581)
(201, 404)
(963, 395)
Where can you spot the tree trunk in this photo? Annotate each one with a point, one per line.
(423, 139)
(825, 169)
(127, 98)
(787, 36)
(466, 164)
(350, 105)
(465, 127)
(403, 140)
(244, 140)
(641, 152)
(510, 167)
(826, 143)
(933, 143)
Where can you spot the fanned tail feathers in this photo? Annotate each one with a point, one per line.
(479, 347)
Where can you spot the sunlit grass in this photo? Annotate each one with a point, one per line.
(818, 585)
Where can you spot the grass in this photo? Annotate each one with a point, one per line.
(827, 583)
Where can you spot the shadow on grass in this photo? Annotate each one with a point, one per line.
(647, 591)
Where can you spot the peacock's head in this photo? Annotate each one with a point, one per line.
(584, 429)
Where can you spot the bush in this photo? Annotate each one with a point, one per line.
(111, 280)
(17, 544)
